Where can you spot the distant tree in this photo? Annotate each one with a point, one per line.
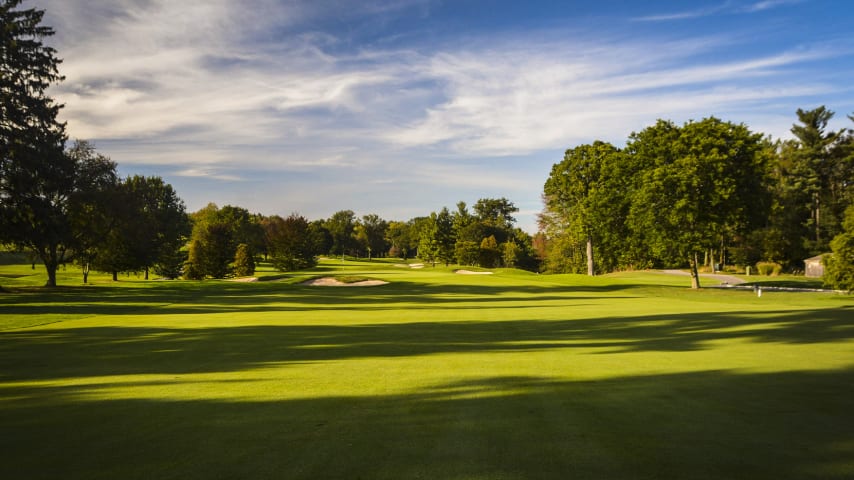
(417, 227)
(159, 225)
(292, 242)
(92, 211)
(839, 266)
(437, 240)
(428, 245)
(370, 233)
(497, 212)
(445, 236)
(398, 236)
(341, 226)
(818, 174)
(490, 255)
(216, 247)
(510, 253)
(322, 236)
(150, 227)
(244, 263)
(467, 252)
(193, 267)
(219, 231)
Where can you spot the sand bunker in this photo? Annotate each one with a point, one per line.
(469, 272)
(244, 279)
(332, 282)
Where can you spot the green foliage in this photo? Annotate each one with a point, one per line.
(370, 235)
(341, 227)
(467, 252)
(193, 267)
(399, 237)
(496, 212)
(490, 254)
(580, 195)
(244, 261)
(37, 179)
(839, 266)
(292, 243)
(768, 268)
(510, 253)
(151, 226)
(170, 263)
(819, 176)
(219, 231)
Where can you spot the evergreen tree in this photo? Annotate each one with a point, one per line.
(244, 262)
(37, 179)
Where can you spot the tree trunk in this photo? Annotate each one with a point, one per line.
(51, 264)
(590, 271)
(146, 273)
(817, 223)
(115, 276)
(85, 272)
(51, 267)
(695, 275)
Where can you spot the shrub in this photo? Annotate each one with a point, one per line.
(768, 268)
(839, 267)
(244, 263)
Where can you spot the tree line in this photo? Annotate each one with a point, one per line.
(676, 194)
(228, 241)
(704, 193)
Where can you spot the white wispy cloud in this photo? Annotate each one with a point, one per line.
(729, 8)
(211, 88)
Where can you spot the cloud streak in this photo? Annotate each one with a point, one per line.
(209, 88)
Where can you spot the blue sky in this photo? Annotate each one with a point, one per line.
(401, 107)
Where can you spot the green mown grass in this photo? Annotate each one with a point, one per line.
(434, 375)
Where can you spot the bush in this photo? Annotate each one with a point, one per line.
(769, 268)
(839, 267)
(244, 263)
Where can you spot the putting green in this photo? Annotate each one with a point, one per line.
(434, 375)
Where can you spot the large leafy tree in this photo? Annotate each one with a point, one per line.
(437, 238)
(94, 210)
(150, 226)
(292, 242)
(341, 226)
(370, 234)
(216, 234)
(704, 180)
(576, 194)
(399, 236)
(159, 222)
(37, 179)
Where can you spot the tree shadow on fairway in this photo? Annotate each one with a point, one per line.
(702, 425)
(56, 352)
(221, 297)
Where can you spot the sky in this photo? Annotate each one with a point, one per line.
(402, 107)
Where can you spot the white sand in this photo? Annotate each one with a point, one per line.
(331, 282)
(469, 272)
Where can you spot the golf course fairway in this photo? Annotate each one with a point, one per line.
(433, 375)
